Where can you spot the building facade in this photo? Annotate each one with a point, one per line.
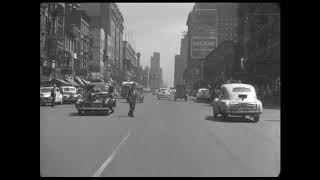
(202, 38)
(222, 63)
(145, 77)
(109, 17)
(179, 67)
(130, 62)
(155, 71)
(96, 64)
(259, 31)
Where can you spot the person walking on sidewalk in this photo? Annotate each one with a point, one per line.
(53, 95)
(132, 100)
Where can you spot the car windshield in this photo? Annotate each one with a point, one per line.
(44, 90)
(69, 89)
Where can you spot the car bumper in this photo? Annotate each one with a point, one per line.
(45, 100)
(93, 108)
(243, 112)
(163, 96)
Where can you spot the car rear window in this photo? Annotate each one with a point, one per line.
(241, 89)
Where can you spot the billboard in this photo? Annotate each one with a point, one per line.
(201, 46)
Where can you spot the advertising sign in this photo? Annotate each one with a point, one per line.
(95, 75)
(201, 46)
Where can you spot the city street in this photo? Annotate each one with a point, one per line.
(165, 138)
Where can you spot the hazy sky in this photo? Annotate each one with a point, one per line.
(156, 27)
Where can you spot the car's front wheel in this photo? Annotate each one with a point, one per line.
(224, 115)
(256, 118)
(79, 112)
(107, 112)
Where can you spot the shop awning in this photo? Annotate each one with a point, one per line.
(85, 81)
(79, 81)
(72, 82)
(62, 82)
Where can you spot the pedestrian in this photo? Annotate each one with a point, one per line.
(132, 100)
(53, 95)
(111, 95)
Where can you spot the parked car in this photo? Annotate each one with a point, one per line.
(163, 93)
(181, 92)
(203, 94)
(69, 94)
(139, 93)
(237, 99)
(45, 96)
(96, 99)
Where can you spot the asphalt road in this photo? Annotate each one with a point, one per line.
(165, 138)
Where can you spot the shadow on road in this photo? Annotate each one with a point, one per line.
(272, 120)
(91, 114)
(270, 106)
(229, 120)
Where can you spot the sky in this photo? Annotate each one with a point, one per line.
(156, 27)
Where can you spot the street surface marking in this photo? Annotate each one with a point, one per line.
(108, 161)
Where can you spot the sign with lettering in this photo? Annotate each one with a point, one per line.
(201, 46)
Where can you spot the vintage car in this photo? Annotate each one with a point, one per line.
(139, 94)
(125, 88)
(237, 99)
(96, 98)
(45, 96)
(180, 92)
(69, 94)
(203, 94)
(163, 93)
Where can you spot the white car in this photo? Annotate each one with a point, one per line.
(69, 94)
(163, 93)
(45, 96)
(203, 94)
(237, 99)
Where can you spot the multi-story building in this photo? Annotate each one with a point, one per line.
(217, 21)
(72, 37)
(155, 71)
(160, 79)
(45, 67)
(55, 41)
(130, 63)
(202, 39)
(226, 21)
(109, 17)
(179, 64)
(96, 64)
(145, 77)
(260, 41)
(222, 63)
(82, 22)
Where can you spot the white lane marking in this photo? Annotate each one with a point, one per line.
(108, 161)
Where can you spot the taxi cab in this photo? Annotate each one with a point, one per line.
(237, 99)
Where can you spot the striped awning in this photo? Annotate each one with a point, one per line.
(79, 81)
(63, 82)
(72, 82)
(85, 81)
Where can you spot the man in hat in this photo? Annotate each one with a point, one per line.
(132, 100)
